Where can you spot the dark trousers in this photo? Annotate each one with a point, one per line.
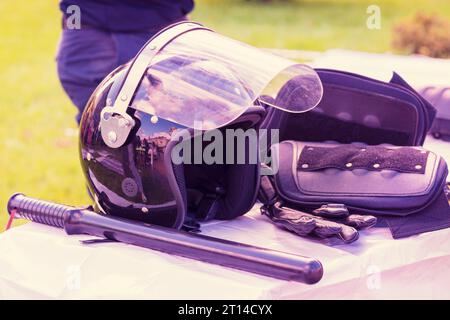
(87, 55)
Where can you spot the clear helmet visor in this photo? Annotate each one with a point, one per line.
(200, 79)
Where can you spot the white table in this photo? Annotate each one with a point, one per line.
(37, 261)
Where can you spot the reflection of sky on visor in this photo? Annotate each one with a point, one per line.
(200, 93)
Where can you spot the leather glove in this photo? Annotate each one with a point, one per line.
(331, 220)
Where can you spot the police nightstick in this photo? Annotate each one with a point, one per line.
(199, 247)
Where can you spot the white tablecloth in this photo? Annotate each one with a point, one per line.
(37, 261)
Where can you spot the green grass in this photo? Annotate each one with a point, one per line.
(38, 146)
(311, 24)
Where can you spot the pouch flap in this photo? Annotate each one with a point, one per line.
(372, 158)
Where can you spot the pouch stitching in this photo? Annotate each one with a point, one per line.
(424, 192)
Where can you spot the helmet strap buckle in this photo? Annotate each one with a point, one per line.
(115, 127)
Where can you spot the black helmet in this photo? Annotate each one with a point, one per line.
(184, 91)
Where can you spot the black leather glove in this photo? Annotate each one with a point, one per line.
(331, 220)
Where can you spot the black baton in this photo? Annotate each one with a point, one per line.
(236, 255)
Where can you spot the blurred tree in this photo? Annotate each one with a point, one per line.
(426, 34)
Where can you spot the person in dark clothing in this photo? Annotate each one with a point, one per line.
(110, 33)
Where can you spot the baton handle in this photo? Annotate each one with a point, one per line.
(44, 212)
